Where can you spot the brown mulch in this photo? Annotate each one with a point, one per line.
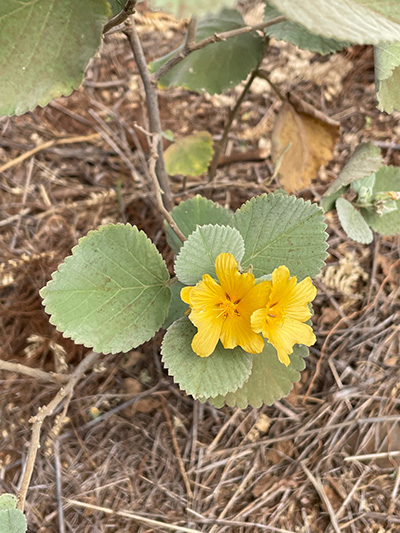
(292, 467)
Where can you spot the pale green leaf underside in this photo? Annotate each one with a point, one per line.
(386, 179)
(186, 8)
(387, 76)
(12, 521)
(357, 21)
(198, 254)
(196, 211)
(45, 47)
(365, 160)
(282, 230)
(221, 372)
(269, 380)
(219, 66)
(178, 307)
(353, 222)
(111, 294)
(296, 34)
(189, 155)
(328, 201)
(8, 501)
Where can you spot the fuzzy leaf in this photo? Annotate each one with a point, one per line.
(269, 380)
(221, 372)
(116, 6)
(189, 155)
(218, 66)
(198, 254)
(282, 230)
(387, 76)
(328, 202)
(386, 179)
(178, 307)
(111, 293)
(296, 34)
(353, 222)
(196, 211)
(365, 160)
(357, 21)
(12, 520)
(45, 47)
(186, 8)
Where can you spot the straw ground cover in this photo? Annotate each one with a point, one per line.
(134, 453)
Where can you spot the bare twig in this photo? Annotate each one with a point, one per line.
(264, 75)
(42, 414)
(39, 375)
(127, 11)
(221, 145)
(157, 191)
(217, 37)
(153, 111)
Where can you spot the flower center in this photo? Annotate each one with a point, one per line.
(227, 308)
(275, 314)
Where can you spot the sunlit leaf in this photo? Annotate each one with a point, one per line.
(189, 155)
(186, 8)
(387, 76)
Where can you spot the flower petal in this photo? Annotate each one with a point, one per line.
(207, 293)
(259, 321)
(207, 337)
(185, 294)
(298, 298)
(237, 331)
(256, 298)
(236, 285)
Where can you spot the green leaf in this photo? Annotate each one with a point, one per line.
(328, 202)
(186, 8)
(116, 6)
(196, 211)
(45, 47)
(198, 254)
(387, 76)
(282, 230)
(357, 21)
(386, 179)
(178, 307)
(218, 66)
(111, 293)
(12, 520)
(189, 155)
(221, 372)
(300, 36)
(365, 160)
(367, 182)
(353, 222)
(269, 380)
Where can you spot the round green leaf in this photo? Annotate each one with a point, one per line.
(386, 179)
(196, 211)
(178, 307)
(45, 47)
(198, 254)
(269, 380)
(111, 294)
(189, 155)
(282, 230)
(296, 34)
(365, 160)
(218, 66)
(387, 76)
(353, 222)
(12, 521)
(221, 372)
(357, 21)
(186, 8)
(8, 501)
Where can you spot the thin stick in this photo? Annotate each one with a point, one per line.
(153, 112)
(177, 451)
(322, 494)
(369, 456)
(264, 75)
(127, 11)
(42, 414)
(217, 37)
(232, 115)
(39, 375)
(132, 516)
(157, 191)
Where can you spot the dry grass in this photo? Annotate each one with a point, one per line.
(324, 459)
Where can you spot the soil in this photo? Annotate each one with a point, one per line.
(294, 466)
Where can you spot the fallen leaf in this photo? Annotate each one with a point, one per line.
(301, 142)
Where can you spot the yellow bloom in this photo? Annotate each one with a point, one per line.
(222, 311)
(281, 320)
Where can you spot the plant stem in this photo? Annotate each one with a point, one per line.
(263, 74)
(221, 145)
(153, 112)
(190, 47)
(36, 373)
(127, 10)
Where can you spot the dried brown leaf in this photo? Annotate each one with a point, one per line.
(308, 143)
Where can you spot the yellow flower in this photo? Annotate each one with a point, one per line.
(222, 311)
(281, 320)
